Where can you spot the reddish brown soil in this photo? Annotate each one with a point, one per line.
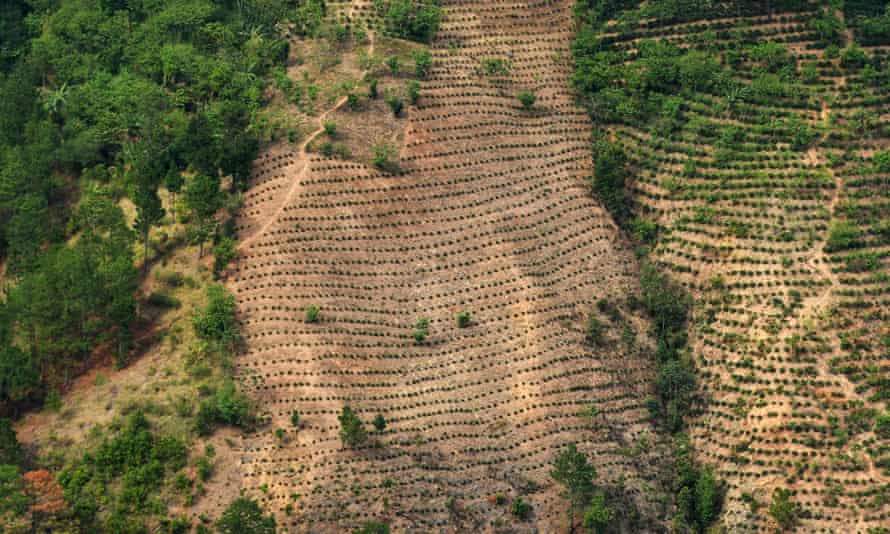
(491, 215)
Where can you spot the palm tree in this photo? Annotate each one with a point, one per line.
(54, 100)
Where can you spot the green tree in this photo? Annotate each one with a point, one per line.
(379, 422)
(572, 470)
(783, 509)
(527, 99)
(352, 431)
(10, 449)
(610, 178)
(173, 181)
(244, 516)
(203, 198)
(416, 20)
(708, 499)
(519, 508)
(372, 527)
(598, 515)
(421, 330)
(423, 62)
(215, 324)
(882, 426)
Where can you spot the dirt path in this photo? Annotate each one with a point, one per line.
(303, 158)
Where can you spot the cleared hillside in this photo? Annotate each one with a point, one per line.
(490, 214)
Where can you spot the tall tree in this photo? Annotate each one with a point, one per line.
(244, 516)
(203, 198)
(352, 431)
(572, 470)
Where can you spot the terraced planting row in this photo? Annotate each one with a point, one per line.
(488, 214)
(784, 242)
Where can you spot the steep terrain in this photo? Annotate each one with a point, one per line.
(491, 215)
(775, 216)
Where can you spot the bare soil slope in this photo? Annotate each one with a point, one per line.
(491, 215)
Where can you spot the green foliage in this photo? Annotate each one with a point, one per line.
(395, 104)
(495, 66)
(699, 495)
(882, 426)
(312, 312)
(215, 325)
(881, 161)
(842, 236)
(421, 330)
(594, 331)
(783, 509)
(135, 457)
(95, 280)
(295, 418)
(520, 509)
(610, 179)
(875, 30)
(394, 65)
(464, 319)
(379, 423)
(10, 449)
(413, 90)
(352, 430)
(372, 527)
(527, 99)
(227, 406)
(223, 254)
(383, 154)
(598, 515)
(668, 304)
(13, 499)
(572, 470)
(828, 27)
(245, 516)
(423, 62)
(676, 386)
(415, 20)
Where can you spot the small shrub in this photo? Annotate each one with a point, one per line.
(520, 508)
(159, 299)
(527, 99)
(395, 104)
(394, 65)
(421, 330)
(383, 157)
(782, 509)
(413, 90)
(372, 527)
(379, 422)
(223, 254)
(244, 516)
(353, 102)
(295, 418)
(330, 128)
(595, 331)
(423, 61)
(464, 319)
(312, 312)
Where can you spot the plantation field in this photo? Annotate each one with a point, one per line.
(771, 200)
(482, 208)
